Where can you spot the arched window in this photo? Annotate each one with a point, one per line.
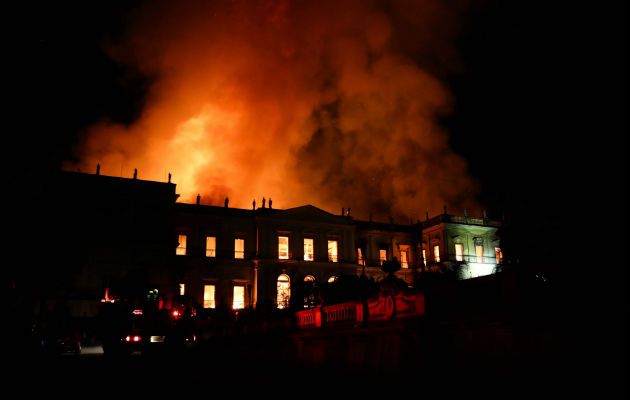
(309, 278)
(284, 291)
(332, 279)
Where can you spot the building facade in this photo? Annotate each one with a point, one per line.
(135, 237)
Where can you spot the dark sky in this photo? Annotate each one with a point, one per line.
(540, 103)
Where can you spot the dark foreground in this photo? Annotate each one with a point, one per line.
(223, 369)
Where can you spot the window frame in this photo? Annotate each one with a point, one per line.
(213, 304)
(214, 250)
(312, 253)
(333, 257)
(288, 252)
(239, 252)
(459, 257)
(244, 301)
(182, 248)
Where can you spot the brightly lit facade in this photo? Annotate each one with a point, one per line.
(467, 245)
(266, 256)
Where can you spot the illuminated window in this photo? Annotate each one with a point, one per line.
(284, 291)
(499, 255)
(208, 296)
(332, 279)
(239, 248)
(459, 252)
(211, 246)
(359, 256)
(238, 301)
(479, 252)
(182, 289)
(332, 251)
(309, 278)
(283, 247)
(308, 250)
(404, 256)
(424, 257)
(181, 245)
(436, 253)
(382, 256)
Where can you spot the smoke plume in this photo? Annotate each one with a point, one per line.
(330, 103)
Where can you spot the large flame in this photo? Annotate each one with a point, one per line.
(303, 102)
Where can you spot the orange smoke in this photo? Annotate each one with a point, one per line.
(302, 102)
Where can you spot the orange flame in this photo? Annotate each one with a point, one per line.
(303, 102)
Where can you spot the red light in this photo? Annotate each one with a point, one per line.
(135, 338)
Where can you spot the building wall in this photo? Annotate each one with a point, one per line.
(447, 231)
(122, 232)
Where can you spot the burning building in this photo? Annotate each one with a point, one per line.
(121, 237)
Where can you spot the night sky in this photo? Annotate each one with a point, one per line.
(540, 107)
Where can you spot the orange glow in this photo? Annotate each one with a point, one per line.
(305, 102)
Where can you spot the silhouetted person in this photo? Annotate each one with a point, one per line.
(254, 204)
(263, 202)
(169, 177)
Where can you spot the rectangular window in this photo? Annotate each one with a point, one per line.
(424, 257)
(404, 256)
(499, 255)
(211, 246)
(182, 289)
(308, 250)
(382, 256)
(239, 298)
(459, 252)
(181, 245)
(208, 296)
(283, 247)
(359, 256)
(436, 253)
(332, 251)
(479, 253)
(239, 248)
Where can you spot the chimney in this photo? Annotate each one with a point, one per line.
(226, 202)
(198, 199)
(135, 173)
(98, 169)
(270, 202)
(254, 204)
(169, 177)
(264, 202)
